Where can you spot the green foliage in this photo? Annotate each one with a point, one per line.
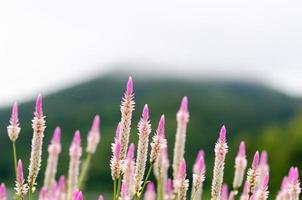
(243, 108)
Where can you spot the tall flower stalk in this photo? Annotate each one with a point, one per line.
(13, 131)
(54, 149)
(253, 174)
(198, 176)
(21, 188)
(221, 149)
(181, 184)
(127, 107)
(93, 140)
(240, 167)
(144, 130)
(38, 125)
(263, 168)
(182, 117)
(75, 153)
(129, 172)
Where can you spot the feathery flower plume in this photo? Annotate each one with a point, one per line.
(180, 139)
(93, 137)
(124, 194)
(144, 130)
(198, 176)
(262, 193)
(101, 197)
(224, 192)
(158, 140)
(240, 166)
(221, 149)
(116, 162)
(14, 129)
(38, 125)
(150, 193)
(3, 192)
(181, 184)
(245, 192)
(290, 188)
(263, 168)
(43, 194)
(75, 153)
(127, 107)
(253, 174)
(54, 149)
(21, 187)
(128, 171)
(169, 190)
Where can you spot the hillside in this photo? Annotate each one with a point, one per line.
(241, 107)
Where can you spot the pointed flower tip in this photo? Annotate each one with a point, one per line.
(14, 116)
(169, 185)
(117, 150)
(224, 191)
(96, 123)
(184, 104)
(131, 150)
(265, 181)
(263, 158)
(118, 131)
(39, 103)
(150, 187)
(241, 151)
(145, 114)
(129, 88)
(62, 183)
(77, 137)
(56, 138)
(101, 197)
(222, 134)
(255, 160)
(20, 169)
(161, 126)
(2, 191)
(182, 168)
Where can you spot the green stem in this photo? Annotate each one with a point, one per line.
(15, 157)
(114, 189)
(30, 194)
(84, 171)
(119, 183)
(145, 182)
(159, 189)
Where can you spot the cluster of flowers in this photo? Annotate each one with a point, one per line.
(131, 176)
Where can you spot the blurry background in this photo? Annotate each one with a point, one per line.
(239, 62)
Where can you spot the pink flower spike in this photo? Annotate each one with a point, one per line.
(161, 126)
(14, 117)
(169, 186)
(131, 149)
(62, 183)
(241, 151)
(43, 194)
(77, 195)
(118, 131)
(117, 150)
(265, 181)
(145, 114)
(2, 191)
(224, 192)
(129, 88)
(150, 187)
(39, 103)
(246, 188)
(222, 135)
(56, 138)
(184, 104)
(20, 177)
(255, 160)
(101, 197)
(263, 158)
(77, 138)
(96, 123)
(182, 169)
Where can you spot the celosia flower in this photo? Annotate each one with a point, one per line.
(263, 167)
(240, 166)
(75, 153)
(245, 192)
(127, 107)
(116, 162)
(198, 176)
(181, 184)
(124, 193)
(158, 140)
(180, 139)
(43, 194)
(221, 149)
(77, 195)
(224, 192)
(169, 190)
(128, 171)
(54, 149)
(14, 129)
(38, 125)
(62, 188)
(3, 192)
(150, 193)
(101, 197)
(93, 137)
(253, 173)
(262, 193)
(144, 130)
(290, 188)
(21, 187)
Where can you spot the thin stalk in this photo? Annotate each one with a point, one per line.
(145, 183)
(114, 189)
(159, 190)
(30, 194)
(119, 183)
(15, 157)
(84, 171)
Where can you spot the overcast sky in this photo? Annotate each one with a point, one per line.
(45, 45)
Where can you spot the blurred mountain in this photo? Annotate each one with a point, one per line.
(242, 107)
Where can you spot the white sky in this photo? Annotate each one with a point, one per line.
(45, 45)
